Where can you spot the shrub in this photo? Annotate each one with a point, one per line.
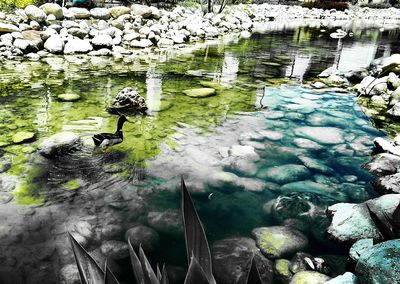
(340, 6)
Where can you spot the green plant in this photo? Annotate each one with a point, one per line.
(326, 5)
(197, 249)
(12, 4)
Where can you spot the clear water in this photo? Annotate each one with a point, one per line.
(258, 89)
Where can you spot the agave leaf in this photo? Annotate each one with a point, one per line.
(136, 265)
(158, 273)
(164, 276)
(383, 226)
(148, 272)
(89, 270)
(109, 277)
(195, 238)
(254, 275)
(195, 274)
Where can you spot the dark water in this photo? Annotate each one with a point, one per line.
(259, 103)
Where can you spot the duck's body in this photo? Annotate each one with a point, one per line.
(105, 140)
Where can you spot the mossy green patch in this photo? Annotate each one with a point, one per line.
(272, 243)
(72, 184)
(282, 267)
(23, 137)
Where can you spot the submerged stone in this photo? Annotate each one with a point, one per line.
(200, 92)
(380, 264)
(282, 271)
(278, 241)
(23, 136)
(142, 236)
(323, 135)
(307, 186)
(287, 173)
(68, 97)
(58, 143)
(115, 249)
(232, 260)
(168, 222)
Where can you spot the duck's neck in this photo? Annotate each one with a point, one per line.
(120, 134)
(119, 125)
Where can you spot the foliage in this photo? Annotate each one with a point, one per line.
(326, 5)
(12, 4)
(376, 5)
(200, 266)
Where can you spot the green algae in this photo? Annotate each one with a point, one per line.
(282, 267)
(72, 184)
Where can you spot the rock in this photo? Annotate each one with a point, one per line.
(383, 164)
(23, 137)
(308, 186)
(282, 272)
(384, 145)
(287, 173)
(272, 135)
(231, 260)
(328, 72)
(347, 278)
(77, 45)
(395, 111)
(69, 274)
(84, 229)
(54, 44)
(322, 135)
(278, 241)
(163, 42)
(68, 97)
(80, 13)
(53, 9)
(168, 222)
(117, 11)
(115, 249)
(307, 277)
(102, 40)
(393, 81)
(142, 236)
(352, 222)
(388, 184)
(100, 13)
(200, 92)
(141, 10)
(315, 165)
(35, 14)
(394, 97)
(391, 64)
(143, 43)
(78, 32)
(8, 28)
(296, 205)
(5, 165)
(380, 264)
(58, 144)
(101, 52)
(128, 100)
(356, 76)
(306, 144)
(360, 247)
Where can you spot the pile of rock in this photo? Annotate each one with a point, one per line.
(38, 31)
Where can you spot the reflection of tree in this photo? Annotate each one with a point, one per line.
(154, 89)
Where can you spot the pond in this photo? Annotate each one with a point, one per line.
(265, 150)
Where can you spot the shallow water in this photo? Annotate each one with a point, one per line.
(259, 103)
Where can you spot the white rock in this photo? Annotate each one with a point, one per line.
(102, 40)
(323, 135)
(54, 44)
(77, 45)
(35, 14)
(243, 151)
(143, 43)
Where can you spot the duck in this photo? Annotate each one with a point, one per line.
(105, 140)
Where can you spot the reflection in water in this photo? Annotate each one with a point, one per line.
(230, 69)
(154, 89)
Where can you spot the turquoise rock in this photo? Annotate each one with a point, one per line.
(347, 278)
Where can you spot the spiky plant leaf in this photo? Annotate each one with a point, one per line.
(254, 275)
(384, 226)
(109, 277)
(148, 272)
(164, 276)
(89, 271)
(136, 265)
(195, 238)
(195, 274)
(158, 273)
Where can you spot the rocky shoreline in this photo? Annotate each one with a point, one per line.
(37, 32)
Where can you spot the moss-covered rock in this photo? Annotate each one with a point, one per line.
(282, 271)
(278, 241)
(200, 92)
(23, 136)
(72, 184)
(307, 277)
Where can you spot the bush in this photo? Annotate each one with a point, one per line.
(340, 6)
(376, 5)
(12, 4)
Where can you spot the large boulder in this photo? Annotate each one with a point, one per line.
(128, 100)
(384, 145)
(35, 14)
(276, 242)
(54, 44)
(352, 222)
(117, 11)
(383, 164)
(141, 10)
(102, 41)
(8, 28)
(80, 13)
(77, 45)
(232, 261)
(388, 184)
(30, 41)
(395, 111)
(58, 144)
(142, 236)
(53, 9)
(380, 264)
(346, 278)
(100, 13)
(391, 64)
(322, 135)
